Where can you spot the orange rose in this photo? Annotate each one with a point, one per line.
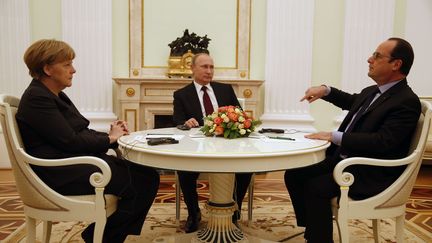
(247, 123)
(219, 130)
(223, 109)
(231, 108)
(218, 120)
(245, 115)
(233, 116)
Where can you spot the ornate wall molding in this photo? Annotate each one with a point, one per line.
(15, 38)
(361, 39)
(288, 63)
(91, 90)
(137, 68)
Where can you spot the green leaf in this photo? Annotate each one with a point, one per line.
(226, 133)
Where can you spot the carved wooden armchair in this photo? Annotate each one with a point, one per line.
(40, 201)
(391, 202)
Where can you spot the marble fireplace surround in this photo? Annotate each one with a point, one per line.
(139, 100)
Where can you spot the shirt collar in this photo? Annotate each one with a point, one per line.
(199, 86)
(383, 88)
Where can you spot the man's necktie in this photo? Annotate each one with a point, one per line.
(206, 100)
(340, 152)
(363, 108)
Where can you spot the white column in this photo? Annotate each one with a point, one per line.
(367, 24)
(15, 38)
(288, 68)
(87, 27)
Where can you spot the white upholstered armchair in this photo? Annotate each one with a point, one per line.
(391, 202)
(40, 201)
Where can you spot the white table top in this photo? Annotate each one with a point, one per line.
(195, 152)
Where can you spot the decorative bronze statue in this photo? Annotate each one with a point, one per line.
(182, 50)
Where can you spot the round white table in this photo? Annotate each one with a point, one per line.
(221, 158)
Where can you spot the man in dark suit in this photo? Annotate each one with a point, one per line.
(189, 109)
(381, 129)
(53, 128)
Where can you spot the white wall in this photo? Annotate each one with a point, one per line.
(419, 32)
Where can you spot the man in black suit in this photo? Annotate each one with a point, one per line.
(53, 128)
(381, 129)
(189, 110)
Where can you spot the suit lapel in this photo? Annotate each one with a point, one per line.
(194, 100)
(380, 100)
(388, 94)
(352, 111)
(217, 92)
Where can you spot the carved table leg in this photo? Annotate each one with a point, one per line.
(221, 207)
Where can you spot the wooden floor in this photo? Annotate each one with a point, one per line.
(424, 177)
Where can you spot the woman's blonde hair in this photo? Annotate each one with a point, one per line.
(44, 52)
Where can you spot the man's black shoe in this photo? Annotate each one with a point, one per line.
(192, 223)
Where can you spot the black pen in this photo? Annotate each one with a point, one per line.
(283, 138)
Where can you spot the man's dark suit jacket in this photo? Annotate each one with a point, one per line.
(51, 128)
(384, 131)
(187, 104)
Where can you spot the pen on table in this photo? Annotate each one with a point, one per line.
(283, 138)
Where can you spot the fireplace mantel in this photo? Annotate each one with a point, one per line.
(140, 99)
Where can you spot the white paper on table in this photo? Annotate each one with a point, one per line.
(257, 135)
(197, 135)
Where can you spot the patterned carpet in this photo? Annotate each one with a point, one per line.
(273, 216)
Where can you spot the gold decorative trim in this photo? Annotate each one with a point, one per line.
(250, 113)
(237, 35)
(130, 92)
(129, 36)
(135, 72)
(242, 74)
(250, 37)
(247, 93)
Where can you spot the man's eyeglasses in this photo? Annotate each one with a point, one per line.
(377, 55)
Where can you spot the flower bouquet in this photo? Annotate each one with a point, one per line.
(229, 122)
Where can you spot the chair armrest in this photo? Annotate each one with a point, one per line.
(347, 179)
(97, 179)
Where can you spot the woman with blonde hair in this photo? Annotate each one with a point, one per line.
(53, 128)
